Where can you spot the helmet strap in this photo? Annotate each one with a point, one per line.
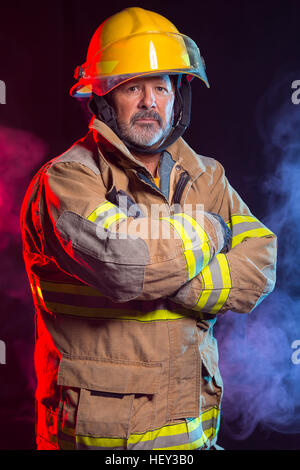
(99, 106)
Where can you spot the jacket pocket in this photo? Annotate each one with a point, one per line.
(107, 390)
(211, 387)
(211, 380)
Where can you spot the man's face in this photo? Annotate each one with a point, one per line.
(144, 109)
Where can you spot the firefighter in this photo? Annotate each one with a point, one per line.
(134, 245)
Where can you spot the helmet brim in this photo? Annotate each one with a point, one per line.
(143, 54)
(83, 89)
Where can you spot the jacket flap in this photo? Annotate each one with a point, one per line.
(110, 376)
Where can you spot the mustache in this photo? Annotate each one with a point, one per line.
(146, 115)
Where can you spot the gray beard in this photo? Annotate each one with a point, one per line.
(144, 135)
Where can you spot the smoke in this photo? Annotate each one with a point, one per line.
(256, 354)
(21, 154)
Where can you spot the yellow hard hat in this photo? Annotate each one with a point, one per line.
(132, 43)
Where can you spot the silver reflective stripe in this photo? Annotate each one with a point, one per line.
(195, 241)
(194, 433)
(247, 226)
(244, 227)
(161, 442)
(216, 279)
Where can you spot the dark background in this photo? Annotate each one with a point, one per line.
(249, 47)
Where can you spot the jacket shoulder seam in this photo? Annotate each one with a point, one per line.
(81, 152)
(54, 163)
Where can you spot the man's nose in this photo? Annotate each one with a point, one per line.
(148, 98)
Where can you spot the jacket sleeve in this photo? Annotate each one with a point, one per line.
(92, 239)
(241, 278)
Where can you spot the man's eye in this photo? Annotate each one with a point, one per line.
(132, 89)
(162, 89)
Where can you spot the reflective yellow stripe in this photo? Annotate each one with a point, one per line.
(223, 263)
(255, 233)
(208, 433)
(205, 416)
(221, 301)
(239, 219)
(39, 292)
(211, 288)
(207, 278)
(207, 286)
(99, 312)
(188, 246)
(164, 431)
(104, 206)
(113, 218)
(202, 235)
(191, 263)
(117, 314)
(100, 441)
(185, 429)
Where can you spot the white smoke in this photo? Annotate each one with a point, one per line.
(258, 357)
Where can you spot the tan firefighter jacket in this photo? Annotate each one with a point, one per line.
(127, 281)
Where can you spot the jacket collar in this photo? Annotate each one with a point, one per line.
(180, 151)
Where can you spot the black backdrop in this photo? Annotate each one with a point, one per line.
(249, 48)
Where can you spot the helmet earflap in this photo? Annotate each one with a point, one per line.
(100, 107)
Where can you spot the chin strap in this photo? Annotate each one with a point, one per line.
(100, 107)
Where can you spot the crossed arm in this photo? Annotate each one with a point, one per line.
(94, 240)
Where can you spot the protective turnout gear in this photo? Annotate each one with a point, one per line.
(125, 353)
(128, 272)
(134, 43)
